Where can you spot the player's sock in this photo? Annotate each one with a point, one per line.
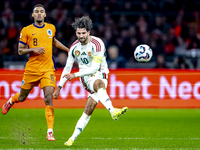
(14, 99)
(50, 130)
(105, 100)
(82, 122)
(49, 114)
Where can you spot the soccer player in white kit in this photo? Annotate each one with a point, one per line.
(93, 73)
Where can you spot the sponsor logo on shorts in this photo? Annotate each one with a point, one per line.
(52, 77)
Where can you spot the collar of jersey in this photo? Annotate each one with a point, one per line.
(38, 26)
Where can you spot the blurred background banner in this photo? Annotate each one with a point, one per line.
(150, 88)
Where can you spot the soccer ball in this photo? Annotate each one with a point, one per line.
(143, 53)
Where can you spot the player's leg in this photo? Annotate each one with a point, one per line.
(18, 97)
(99, 87)
(47, 83)
(49, 111)
(84, 119)
(28, 82)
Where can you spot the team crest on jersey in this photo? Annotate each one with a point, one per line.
(77, 53)
(89, 53)
(49, 32)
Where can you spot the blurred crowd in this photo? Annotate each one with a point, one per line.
(170, 27)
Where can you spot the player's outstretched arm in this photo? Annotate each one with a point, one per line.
(59, 45)
(22, 50)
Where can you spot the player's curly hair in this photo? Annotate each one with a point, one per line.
(83, 22)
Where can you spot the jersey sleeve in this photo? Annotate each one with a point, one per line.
(23, 36)
(68, 67)
(99, 49)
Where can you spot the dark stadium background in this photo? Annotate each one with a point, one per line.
(169, 27)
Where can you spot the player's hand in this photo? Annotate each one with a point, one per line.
(69, 76)
(39, 50)
(56, 93)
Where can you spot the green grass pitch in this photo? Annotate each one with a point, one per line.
(137, 129)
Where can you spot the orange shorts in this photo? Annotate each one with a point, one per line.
(45, 79)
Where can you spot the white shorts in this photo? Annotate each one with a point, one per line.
(88, 83)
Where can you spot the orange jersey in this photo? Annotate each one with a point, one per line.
(34, 36)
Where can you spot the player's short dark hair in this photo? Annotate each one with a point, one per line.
(38, 5)
(83, 22)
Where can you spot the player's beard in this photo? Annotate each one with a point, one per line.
(83, 42)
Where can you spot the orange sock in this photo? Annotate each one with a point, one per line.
(49, 114)
(15, 98)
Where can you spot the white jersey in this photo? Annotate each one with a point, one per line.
(91, 59)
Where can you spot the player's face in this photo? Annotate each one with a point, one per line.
(82, 35)
(39, 14)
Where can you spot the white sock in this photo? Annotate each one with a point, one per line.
(82, 122)
(50, 130)
(105, 100)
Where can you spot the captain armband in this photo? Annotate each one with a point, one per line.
(97, 59)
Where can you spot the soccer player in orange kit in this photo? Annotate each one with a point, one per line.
(37, 40)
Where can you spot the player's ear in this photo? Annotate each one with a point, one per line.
(32, 15)
(88, 32)
(45, 15)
